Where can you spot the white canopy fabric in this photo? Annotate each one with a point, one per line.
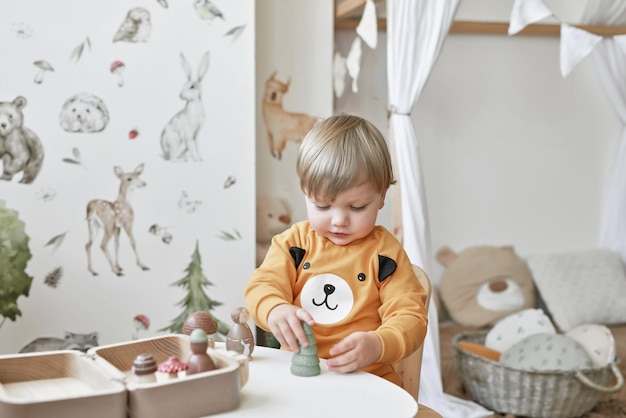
(610, 60)
(416, 31)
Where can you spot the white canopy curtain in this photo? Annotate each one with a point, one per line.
(610, 60)
(416, 31)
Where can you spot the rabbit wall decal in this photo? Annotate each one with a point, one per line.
(179, 137)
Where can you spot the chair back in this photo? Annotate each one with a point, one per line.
(409, 368)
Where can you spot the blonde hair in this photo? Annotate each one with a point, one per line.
(341, 152)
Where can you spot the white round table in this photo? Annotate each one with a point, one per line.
(272, 391)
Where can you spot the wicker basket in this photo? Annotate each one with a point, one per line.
(553, 394)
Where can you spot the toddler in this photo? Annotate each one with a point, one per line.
(347, 278)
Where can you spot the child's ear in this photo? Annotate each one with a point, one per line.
(382, 199)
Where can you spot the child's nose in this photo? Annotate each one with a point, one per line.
(339, 218)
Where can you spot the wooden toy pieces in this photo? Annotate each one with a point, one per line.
(306, 362)
(171, 367)
(240, 337)
(200, 361)
(144, 368)
(200, 320)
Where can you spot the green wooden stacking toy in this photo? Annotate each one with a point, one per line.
(306, 362)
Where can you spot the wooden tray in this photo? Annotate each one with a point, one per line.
(58, 384)
(190, 396)
(61, 384)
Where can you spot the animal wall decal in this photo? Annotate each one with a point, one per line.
(282, 126)
(84, 112)
(70, 341)
(136, 27)
(206, 10)
(179, 139)
(20, 148)
(112, 217)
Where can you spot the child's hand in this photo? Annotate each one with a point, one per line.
(285, 323)
(357, 350)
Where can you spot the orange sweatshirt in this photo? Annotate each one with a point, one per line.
(368, 285)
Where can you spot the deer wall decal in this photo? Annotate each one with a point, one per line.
(282, 126)
(114, 216)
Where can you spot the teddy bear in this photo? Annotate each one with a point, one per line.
(20, 148)
(483, 284)
(273, 216)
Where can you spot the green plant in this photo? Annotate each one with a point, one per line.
(14, 256)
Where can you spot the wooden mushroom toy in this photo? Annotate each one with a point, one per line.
(240, 337)
(172, 366)
(203, 321)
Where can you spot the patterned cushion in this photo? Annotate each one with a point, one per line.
(597, 340)
(515, 327)
(585, 287)
(543, 352)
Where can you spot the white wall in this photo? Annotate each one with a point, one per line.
(295, 39)
(512, 153)
(107, 303)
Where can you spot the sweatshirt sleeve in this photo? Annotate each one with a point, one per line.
(272, 283)
(402, 311)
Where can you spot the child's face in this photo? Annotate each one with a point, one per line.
(351, 216)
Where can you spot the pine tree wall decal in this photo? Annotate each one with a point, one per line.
(196, 300)
(306, 362)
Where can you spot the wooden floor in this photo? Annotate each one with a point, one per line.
(426, 412)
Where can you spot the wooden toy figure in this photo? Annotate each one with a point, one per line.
(144, 368)
(199, 361)
(240, 337)
(306, 362)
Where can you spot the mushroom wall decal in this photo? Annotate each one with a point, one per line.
(117, 68)
(141, 323)
(42, 67)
